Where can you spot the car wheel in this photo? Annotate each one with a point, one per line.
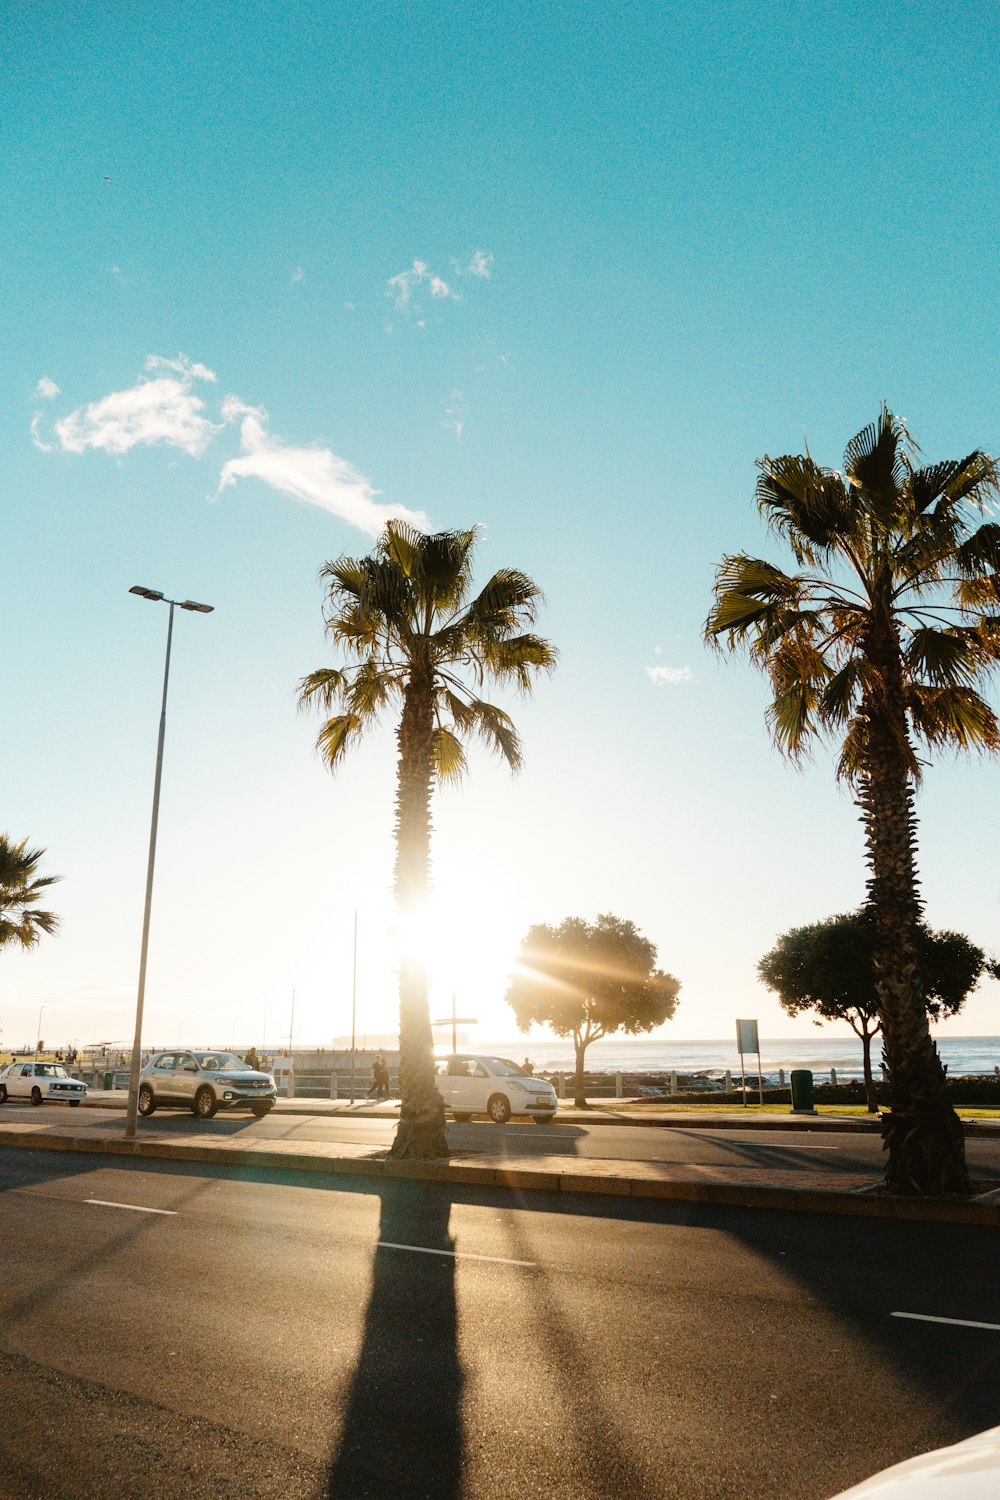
(3, 1093)
(460, 1119)
(260, 1110)
(74, 1104)
(204, 1104)
(147, 1101)
(498, 1109)
(36, 1095)
(544, 1119)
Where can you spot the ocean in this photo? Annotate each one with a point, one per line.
(962, 1055)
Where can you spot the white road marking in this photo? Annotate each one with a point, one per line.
(498, 1260)
(954, 1322)
(136, 1208)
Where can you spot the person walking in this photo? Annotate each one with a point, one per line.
(252, 1060)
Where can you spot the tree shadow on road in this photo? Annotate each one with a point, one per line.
(402, 1431)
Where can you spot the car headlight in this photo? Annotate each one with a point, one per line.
(516, 1083)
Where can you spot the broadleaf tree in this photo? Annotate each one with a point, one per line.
(415, 640)
(587, 980)
(883, 637)
(829, 967)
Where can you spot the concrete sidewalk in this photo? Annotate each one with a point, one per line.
(811, 1190)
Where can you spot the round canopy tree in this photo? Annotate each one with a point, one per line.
(829, 967)
(590, 979)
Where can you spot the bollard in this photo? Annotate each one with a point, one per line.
(673, 1083)
(727, 1079)
(781, 1078)
(802, 1092)
(619, 1087)
(561, 1079)
(290, 1084)
(833, 1077)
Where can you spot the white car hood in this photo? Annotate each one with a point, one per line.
(966, 1471)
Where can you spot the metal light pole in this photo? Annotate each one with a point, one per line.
(354, 999)
(38, 1030)
(131, 1111)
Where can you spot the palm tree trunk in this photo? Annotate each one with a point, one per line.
(421, 1117)
(921, 1132)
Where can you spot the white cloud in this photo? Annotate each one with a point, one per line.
(46, 389)
(298, 274)
(36, 436)
(454, 413)
(315, 475)
(661, 675)
(163, 409)
(480, 265)
(401, 286)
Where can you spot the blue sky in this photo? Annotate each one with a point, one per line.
(561, 271)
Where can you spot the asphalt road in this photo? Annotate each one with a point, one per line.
(261, 1337)
(801, 1150)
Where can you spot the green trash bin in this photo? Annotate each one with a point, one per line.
(802, 1092)
(109, 1080)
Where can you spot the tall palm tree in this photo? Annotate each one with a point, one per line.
(412, 636)
(20, 890)
(882, 638)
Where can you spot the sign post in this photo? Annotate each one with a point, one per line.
(747, 1040)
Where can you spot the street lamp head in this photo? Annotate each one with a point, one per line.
(145, 593)
(203, 609)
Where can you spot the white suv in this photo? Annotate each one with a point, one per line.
(494, 1086)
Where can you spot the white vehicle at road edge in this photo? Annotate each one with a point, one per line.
(41, 1083)
(969, 1470)
(474, 1084)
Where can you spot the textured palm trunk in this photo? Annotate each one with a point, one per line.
(421, 1118)
(921, 1132)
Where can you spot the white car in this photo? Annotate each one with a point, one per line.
(473, 1085)
(41, 1082)
(966, 1471)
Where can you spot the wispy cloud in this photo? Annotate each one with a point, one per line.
(46, 389)
(480, 265)
(454, 413)
(661, 675)
(419, 275)
(315, 475)
(161, 410)
(298, 274)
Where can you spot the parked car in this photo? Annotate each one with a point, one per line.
(204, 1082)
(966, 1471)
(41, 1082)
(494, 1086)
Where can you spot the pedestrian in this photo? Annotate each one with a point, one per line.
(378, 1064)
(252, 1060)
(527, 1067)
(383, 1077)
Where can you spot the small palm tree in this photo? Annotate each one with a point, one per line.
(20, 890)
(412, 637)
(882, 638)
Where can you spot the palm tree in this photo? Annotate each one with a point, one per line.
(882, 638)
(20, 890)
(412, 636)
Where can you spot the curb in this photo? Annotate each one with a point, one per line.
(855, 1203)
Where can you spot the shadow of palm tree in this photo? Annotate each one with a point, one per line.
(402, 1433)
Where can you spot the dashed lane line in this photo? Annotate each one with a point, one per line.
(136, 1208)
(498, 1260)
(954, 1322)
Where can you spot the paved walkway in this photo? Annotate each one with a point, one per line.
(813, 1190)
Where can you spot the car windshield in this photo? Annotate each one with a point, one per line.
(217, 1062)
(50, 1070)
(504, 1068)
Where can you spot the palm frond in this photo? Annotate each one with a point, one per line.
(509, 599)
(951, 656)
(496, 729)
(808, 505)
(449, 755)
(875, 463)
(337, 736)
(322, 689)
(838, 700)
(955, 717)
(518, 659)
(980, 553)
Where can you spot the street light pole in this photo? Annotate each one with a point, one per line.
(131, 1111)
(38, 1030)
(354, 999)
